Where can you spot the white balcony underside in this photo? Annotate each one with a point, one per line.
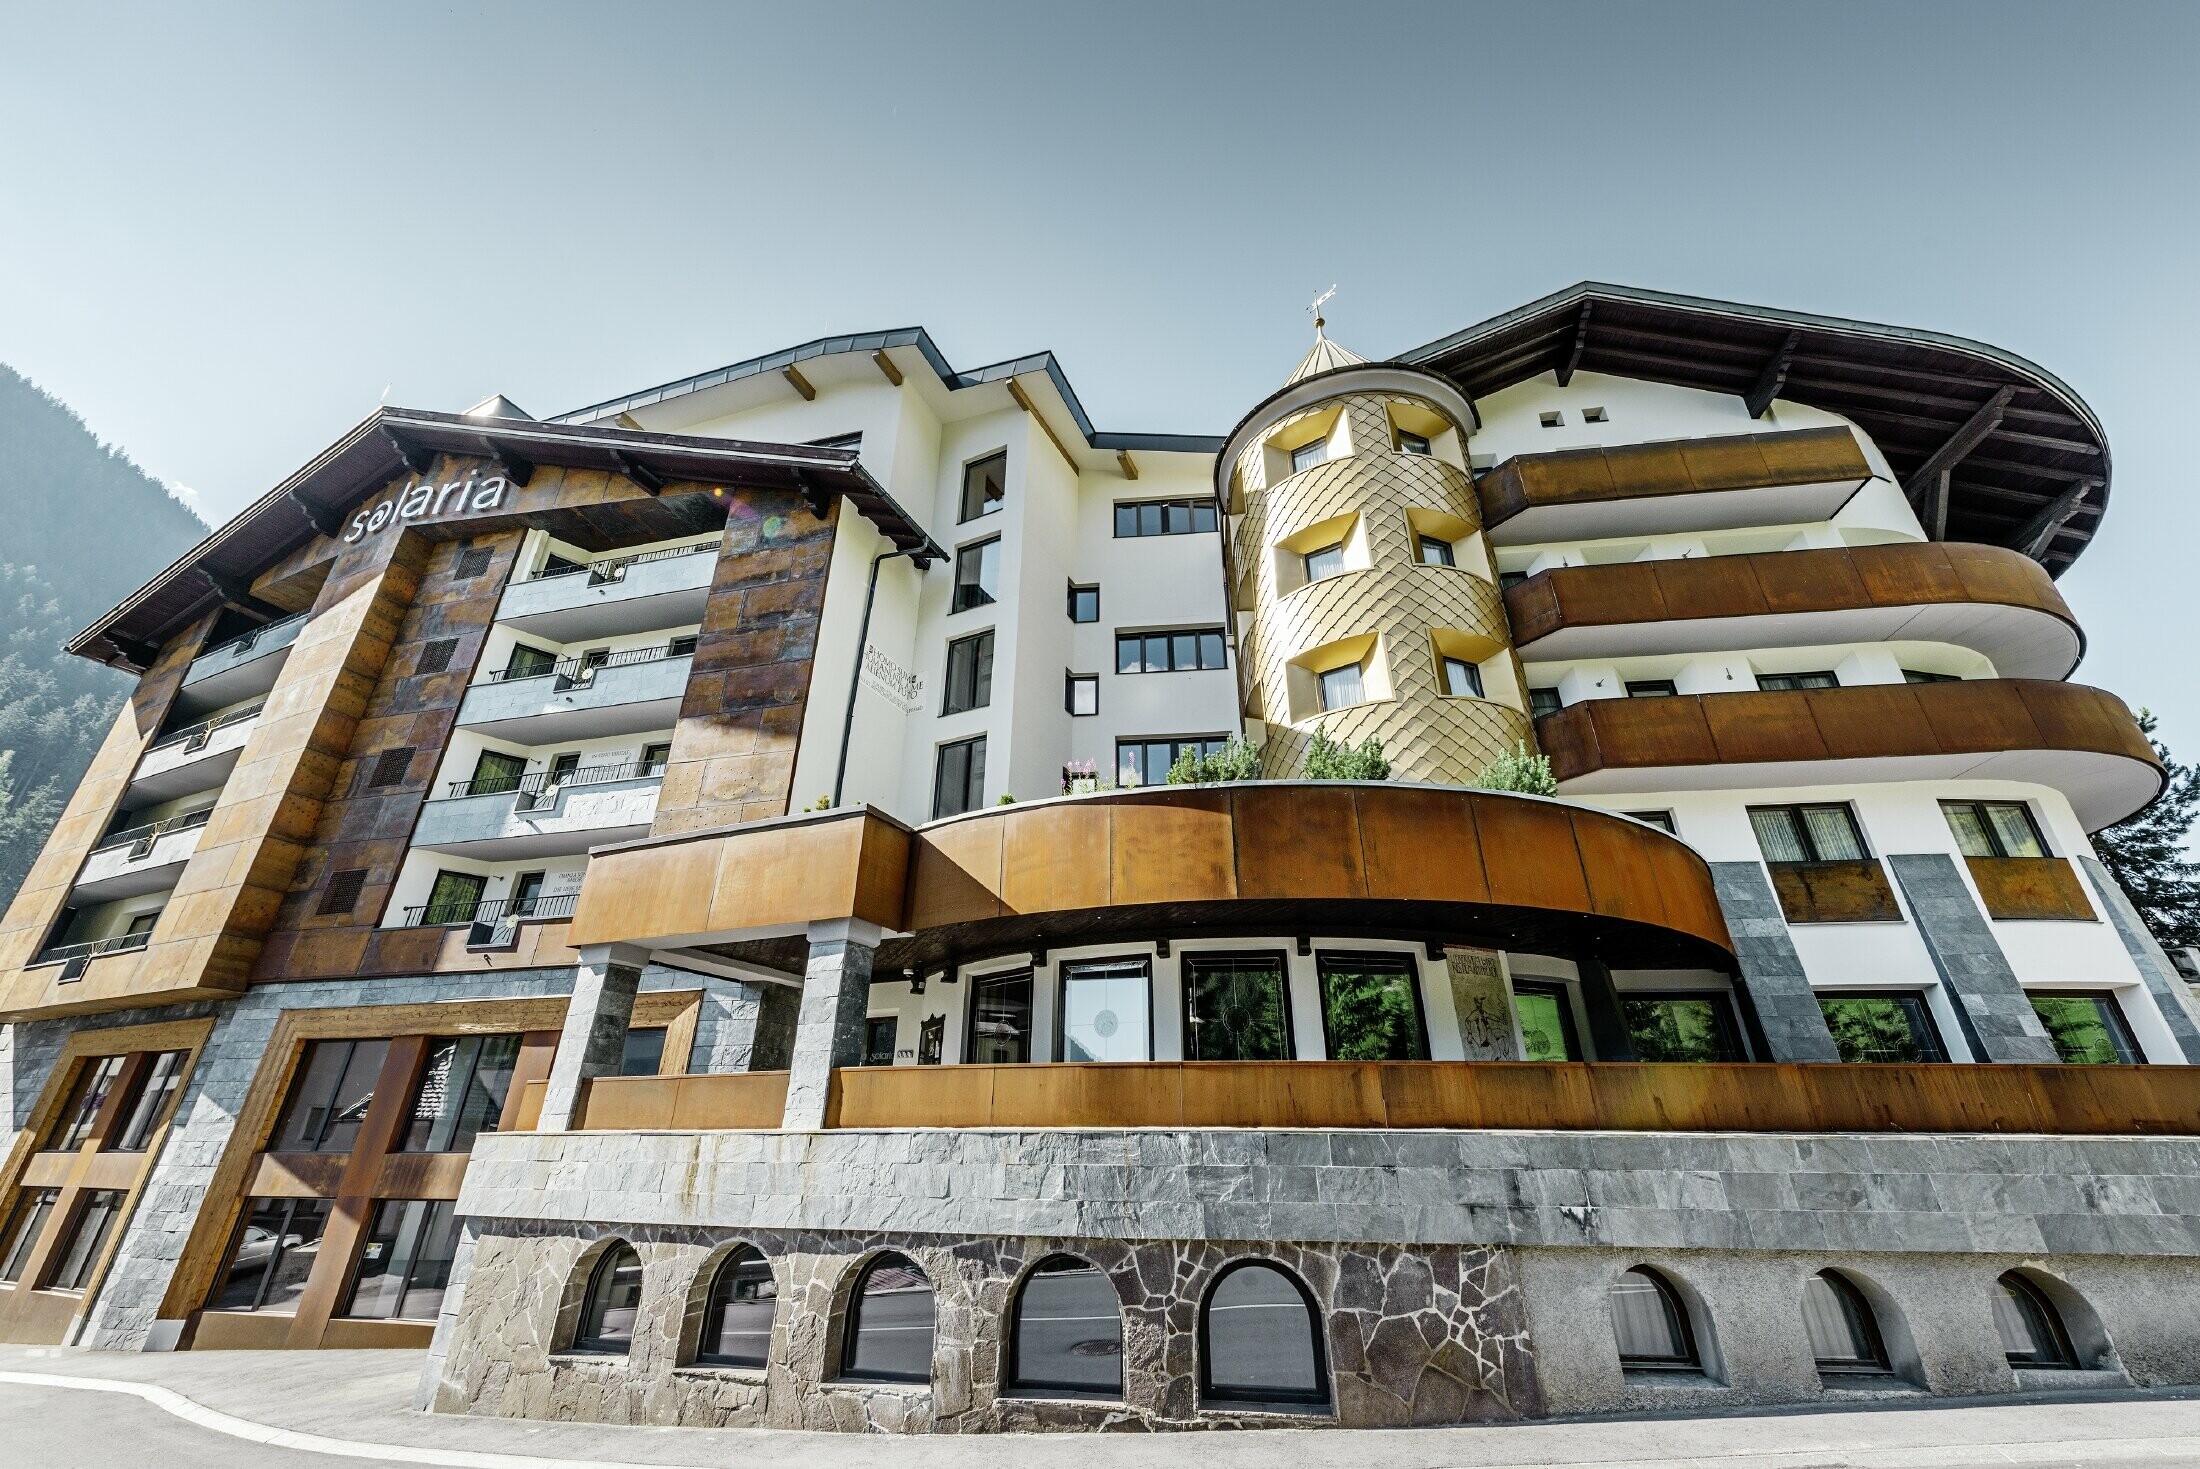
(634, 699)
(170, 772)
(651, 594)
(494, 829)
(1661, 515)
(113, 874)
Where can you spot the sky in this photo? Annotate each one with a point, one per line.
(227, 231)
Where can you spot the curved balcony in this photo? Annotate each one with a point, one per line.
(1994, 601)
(2079, 740)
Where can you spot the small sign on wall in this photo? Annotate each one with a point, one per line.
(1483, 1002)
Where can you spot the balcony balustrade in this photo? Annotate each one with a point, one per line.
(628, 692)
(493, 924)
(241, 667)
(139, 860)
(514, 818)
(197, 757)
(613, 596)
(74, 959)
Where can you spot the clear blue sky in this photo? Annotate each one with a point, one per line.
(225, 229)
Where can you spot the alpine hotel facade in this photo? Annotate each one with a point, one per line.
(679, 909)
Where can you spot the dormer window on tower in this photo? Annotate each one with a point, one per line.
(1306, 456)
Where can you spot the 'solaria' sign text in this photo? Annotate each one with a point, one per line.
(418, 501)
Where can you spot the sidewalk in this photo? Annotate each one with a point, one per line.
(359, 1399)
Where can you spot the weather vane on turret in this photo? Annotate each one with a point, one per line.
(1314, 309)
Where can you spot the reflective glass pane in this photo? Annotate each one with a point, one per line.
(145, 1109)
(1842, 1336)
(329, 1100)
(1371, 1009)
(1969, 826)
(2013, 826)
(2088, 1030)
(1149, 520)
(461, 1092)
(1184, 650)
(1179, 517)
(405, 1264)
(1203, 515)
(1646, 1321)
(1157, 653)
(1777, 835)
(1260, 1344)
(1211, 654)
(1235, 1009)
(1833, 834)
(644, 1053)
(737, 1328)
(985, 486)
(1068, 1331)
(273, 1252)
(1000, 1032)
(889, 1331)
(33, 1207)
(2025, 1322)
(614, 1300)
(1881, 1028)
(1105, 1012)
(1546, 1030)
(95, 1220)
(1680, 1028)
(1126, 520)
(94, 1079)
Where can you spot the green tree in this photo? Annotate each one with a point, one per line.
(1236, 760)
(1328, 759)
(1517, 770)
(2146, 854)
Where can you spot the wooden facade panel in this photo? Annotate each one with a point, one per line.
(1624, 868)
(1835, 892)
(2030, 888)
(1052, 858)
(1420, 850)
(745, 1100)
(1727, 462)
(1171, 847)
(1869, 720)
(1298, 842)
(955, 874)
(1747, 727)
(1714, 586)
(1529, 854)
(1679, 467)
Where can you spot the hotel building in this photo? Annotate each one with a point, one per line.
(681, 909)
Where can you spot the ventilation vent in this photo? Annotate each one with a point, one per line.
(390, 767)
(474, 561)
(342, 893)
(435, 657)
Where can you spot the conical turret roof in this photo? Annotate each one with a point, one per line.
(1323, 356)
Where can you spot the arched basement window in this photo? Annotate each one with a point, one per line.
(1067, 1332)
(737, 1318)
(888, 1337)
(1649, 1324)
(1260, 1341)
(614, 1299)
(1844, 1338)
(2031, 1329)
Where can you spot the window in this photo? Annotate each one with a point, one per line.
(1844, 1339)
(1594, 415)
(1662, 820)
(969, 674)
(1683, 1027)
(644, 1052)
(1371, 1007)
(1147, 762)
(1895, 1027)
(612, 1301)
(273, 1252)
(460, 1094)
(1551, 418)
(682, 646)
(985, 486)
(1808, 833)
(878, 1039)
(2088, 1029)
(405, 1264)
(453, 899)
(496, 773)
(526, 893)
(1649, 1324)
(1413, 443)
(1777, 682)
(1435, 551)
(1651, 688)
(958, 782)
(1260, 1341)
(1081, 693)
(147, 1106)
(527, 661)
(1236, 1008)
(1164, 518)
(1084, 603)
(96, 1078)
(1544, 701)
(977, 576)
(2030, 1328)
(329, 1100)
(33, 1207)
(1306, 456)
(1546, 1014)
(1000, 1018)
(1106, 1011)
(1994, 828)
(1913, 675)
(1326, 562)
(1066, 1333)
(1509, 579)
(1341, 688)
(655, 757)
(1184, 651)
(888, 1337)
(87, 1238)
(737, 1318)
(1462, 680)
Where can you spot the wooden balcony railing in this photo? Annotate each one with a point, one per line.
(742, 1100)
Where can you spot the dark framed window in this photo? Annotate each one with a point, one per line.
(334, 1087)
(969, 673)
(888, 1335)
(496, 773)
(1544, 701)
(1371, 1007)
(1147, 762)
(1827, 833)
(95, 1078)
(1341, 687)
(1260, 1341)
(958, 778)
(610, 1304)
(2088, 1028)
(1436, 551)
(737, 1314)
(1650, 1325)
(1773, 683)
(405, 1264)
(453, 898)
(1081, 694)
(644, 1052)
(1000, 1018)
(655, 756)
(528, 661)
(1662, 820)
(1546, 1013)
(985, 486)
(1164, 518)
(1410, 442)
(147, 1105)
(977, 576)
(2030, 1328)
(81, 1247)
(1306, 456)
(271, 1255)
(1066, 1333)
(1106, 1010)
(1913, 675)
(1844, 1336)
(1510, 579)
(878, 1039)
(1462, 680)
(461, 1092)
(33, 1207)
(1994, 828)
(1889, 1027)
(1084, 603)
(1327, 561)
(1687, 1026)
(1651, 688)
(1237, 1007)
(1182, 651)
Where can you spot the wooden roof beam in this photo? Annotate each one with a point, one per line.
(1581, 344)
(885, 365)
(633, 468)
(1023, 401)
(798, 382)
(419, 458)
(2039, 533)
(1129, 465)
(327, 522)
(517, 468)
(1927, 487)
(1774, 377)
(143, 655)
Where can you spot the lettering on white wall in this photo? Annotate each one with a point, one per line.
(427, 501)
(890, 679)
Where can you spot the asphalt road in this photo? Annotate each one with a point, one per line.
(53, 1428)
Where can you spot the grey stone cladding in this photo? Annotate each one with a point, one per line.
(2179, 1010)
(1998, 1019)
(1772, 972)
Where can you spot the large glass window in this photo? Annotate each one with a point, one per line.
(1147, 762)
(879, 1034)
(1544, 701)
(1341, 688)
(87, 1237)
(613, 1300)
(1260, 1341)
(2030, 1328)
(1649, 1324)
(969, 674)
(1826, 833)
(1895, 1027)
(405, 1264)
(1843, 1336)
(497, 773)
(461, 1092)
(977, 575)
(1171, 652)
(1682, 1027)
(737, 1317)
(1164, 518)
(1106, 1011)
(1994, 828)
(644, 1052)
(1000, 1018)
(527, 661)
(1371, 1007)
(33, 1207)
(1081, 693)
(1236, 1008)
(985, 486)
(329, 1099)
(1066, 1338)
(1546, 1022)
(888, 1337)
(94, 1080)
(147, 1105)
(273, 1252)
(2088, 1028)
(958, 781)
